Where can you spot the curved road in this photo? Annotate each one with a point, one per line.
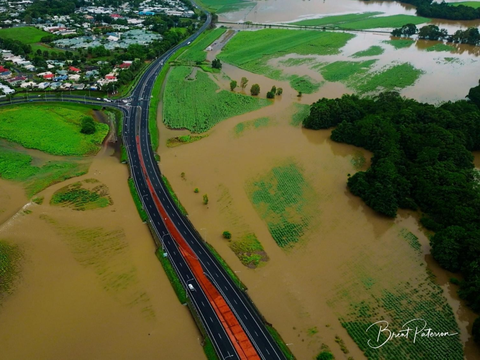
(143, 167)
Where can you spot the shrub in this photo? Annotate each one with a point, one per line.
(205, 199)
(255, 89)
(325, 355)
(227, 235)
(88, 125)
(279, 91)
(270, 95)
(196, 191)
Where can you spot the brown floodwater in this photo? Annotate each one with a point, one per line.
(305, 287)
(90, 286)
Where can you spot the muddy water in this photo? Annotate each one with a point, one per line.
(79, 298)
(458, 69)
(302, 289)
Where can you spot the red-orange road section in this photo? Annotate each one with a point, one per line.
(232, 327)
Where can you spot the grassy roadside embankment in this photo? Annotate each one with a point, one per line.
(136, 200)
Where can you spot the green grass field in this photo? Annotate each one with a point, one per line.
(18, 167)
(473, 4)
(206, 107)
(10, 256)
(285, 201)
(336, 20)
(371, 51)
(51, 128)
(196, 52)
(400, 43)
(391, 21)
(362, 21)
(222, 6)
(77, 197)
(25, 34)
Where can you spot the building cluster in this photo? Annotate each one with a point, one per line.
(61, 75)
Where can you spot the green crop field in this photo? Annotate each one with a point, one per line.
(336, 20)
(25, 34)
(52, 128)
(442, 47)
(371, 51)
(395, 77)
(400, 43)
(344, 70)
(77, 197)
(473, 4)
(196, 52)
(399, 306)
(206, 107)
(285, 201)
(249, 250)
(247, 47)
(368, 20)
(240, 128)
(391, 21)
(10, 256)
(297, 61)
(304, 84)
(18, 167)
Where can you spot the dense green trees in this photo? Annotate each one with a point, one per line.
(233, 85)
(422, 160)
(476, 330)
(406, 30)
(443, 10)
(216, 64)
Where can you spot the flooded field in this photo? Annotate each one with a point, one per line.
(90, 285)
(348, 257)
(282, 11)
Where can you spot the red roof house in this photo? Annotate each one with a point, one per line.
(48, 76)
(2, 69)
(110, 77)
(115, 16)
(124, 65)
(74, 69)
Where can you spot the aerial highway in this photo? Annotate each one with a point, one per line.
(235, 327)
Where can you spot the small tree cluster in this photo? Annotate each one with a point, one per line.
(255, 90)
(233, 85)
(216, 64)
(88, 125)
(205, 199)
(227, 235)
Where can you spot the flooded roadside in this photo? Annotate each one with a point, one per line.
(98, 289)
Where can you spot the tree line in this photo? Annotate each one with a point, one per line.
(469, 36)
(422, 161)
(443, 10)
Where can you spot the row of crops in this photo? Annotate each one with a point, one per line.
(285, 200)
(197, 106)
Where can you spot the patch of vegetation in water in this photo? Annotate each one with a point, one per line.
(410, 238)
(185, 139)
(337, 19)
(240, 128)
(296, 61)
(371, 51)
(285, 201)
(301, 112)
(358, 160)
(400, 43)
(10, 261)
(77, 197)
(206, 107)
(52, 128)
(105, 252)
(392, 78)
(304, 84)
(18, 167)
(441, 47)
(390, 21)
(249, 250)
(344, 70)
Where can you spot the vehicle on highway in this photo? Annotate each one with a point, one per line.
(190, 286)
(189, 43)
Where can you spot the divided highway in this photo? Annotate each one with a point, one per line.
(146, 174)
